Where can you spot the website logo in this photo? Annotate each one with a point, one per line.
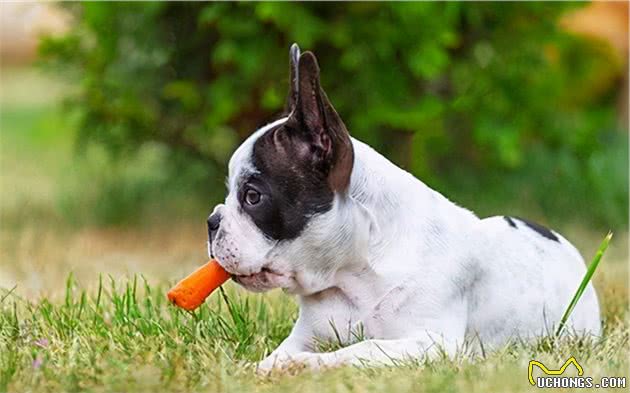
(553, 378)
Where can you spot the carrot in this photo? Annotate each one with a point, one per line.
(190, 292)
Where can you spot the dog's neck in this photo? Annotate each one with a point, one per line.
(400, 204)
(385, 206)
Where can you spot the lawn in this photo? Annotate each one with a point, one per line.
(125, 337)
(83, 308)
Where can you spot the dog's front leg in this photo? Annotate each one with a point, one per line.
(296, 343)
(380, 352)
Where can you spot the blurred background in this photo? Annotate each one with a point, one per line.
(117, 119)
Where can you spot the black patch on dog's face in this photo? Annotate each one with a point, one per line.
(543, 231)
(301, 164)
(291, 191)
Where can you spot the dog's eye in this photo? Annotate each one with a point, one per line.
(252, 197)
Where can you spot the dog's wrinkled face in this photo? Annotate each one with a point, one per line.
(283, 183)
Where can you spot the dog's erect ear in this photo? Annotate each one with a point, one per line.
(294, 59)
(330, 148)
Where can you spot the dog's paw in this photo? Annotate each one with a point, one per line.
(285, 362)
(309, 360)
(272, 362)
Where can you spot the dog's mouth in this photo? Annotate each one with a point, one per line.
(262, 271)
(263, 280)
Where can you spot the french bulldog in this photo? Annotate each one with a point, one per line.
(376, 258)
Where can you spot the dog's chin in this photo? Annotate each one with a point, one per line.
(264, 280)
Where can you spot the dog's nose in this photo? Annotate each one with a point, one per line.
(214, 221)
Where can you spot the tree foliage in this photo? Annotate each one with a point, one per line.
(471, 97)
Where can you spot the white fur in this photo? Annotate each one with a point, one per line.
(406, 268)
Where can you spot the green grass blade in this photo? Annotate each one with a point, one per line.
(9, 292)
(587, 278)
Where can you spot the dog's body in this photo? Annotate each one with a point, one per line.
(374, 253)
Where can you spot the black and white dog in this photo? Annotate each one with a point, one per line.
(366, 246)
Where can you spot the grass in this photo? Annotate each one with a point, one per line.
(127, 332)
(82, 304)
(126, 337)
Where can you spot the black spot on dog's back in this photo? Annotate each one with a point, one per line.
(543, 231)
(510, 221)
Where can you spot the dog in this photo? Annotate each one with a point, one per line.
(376, 258)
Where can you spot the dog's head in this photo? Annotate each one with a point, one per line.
(285, 213)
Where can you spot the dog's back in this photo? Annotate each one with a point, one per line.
(530, 275)
(525, 275)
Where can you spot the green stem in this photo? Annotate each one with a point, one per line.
(587, 278)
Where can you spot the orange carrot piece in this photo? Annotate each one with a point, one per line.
(190, 292)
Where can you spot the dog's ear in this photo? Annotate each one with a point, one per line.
(294, 59)
(330, 148)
